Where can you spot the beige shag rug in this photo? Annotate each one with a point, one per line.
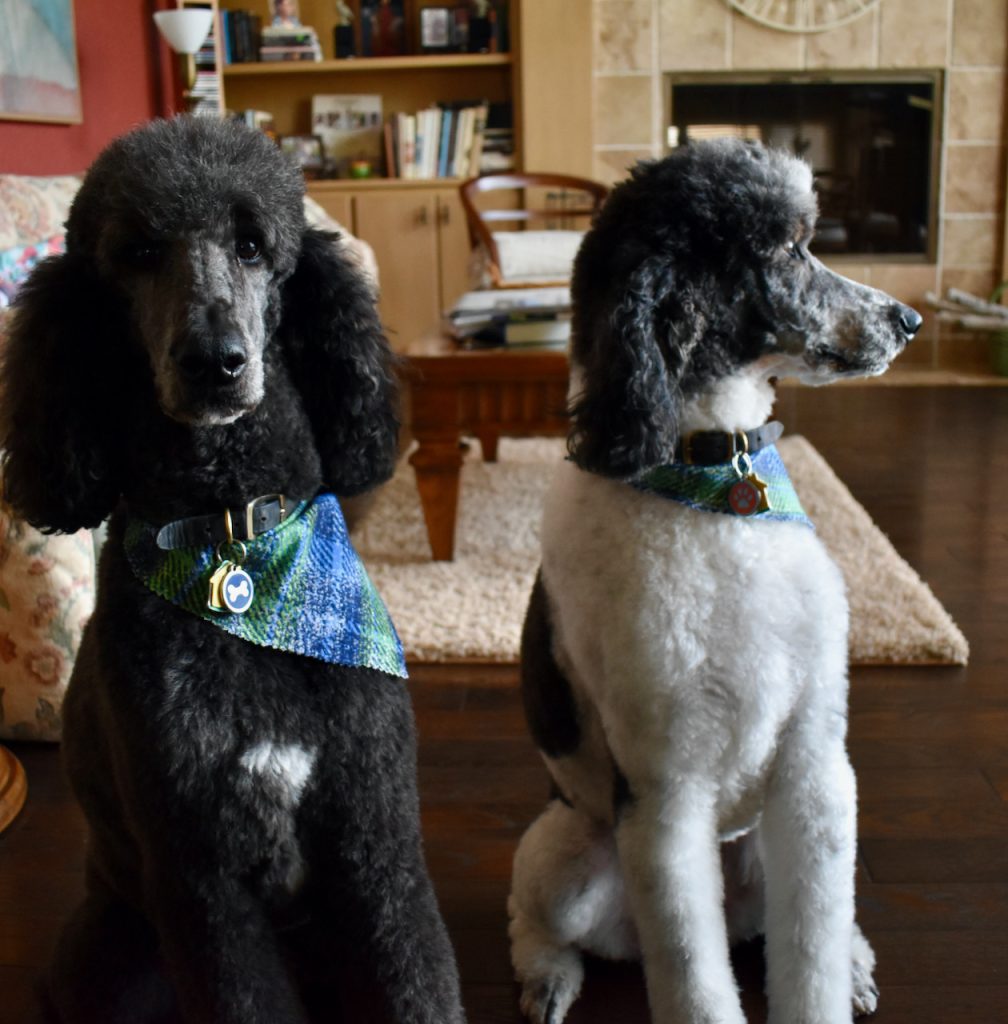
(472, 608)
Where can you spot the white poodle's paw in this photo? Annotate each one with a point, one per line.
(550, 974)
(547, 1000)
(866, 993)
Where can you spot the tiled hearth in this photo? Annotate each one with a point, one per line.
(638, 41)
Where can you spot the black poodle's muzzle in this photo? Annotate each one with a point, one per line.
(216, 370)
(208, 359)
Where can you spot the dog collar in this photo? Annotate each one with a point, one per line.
(259, 516)
(298, 587)
(709, 488)
(709, 447)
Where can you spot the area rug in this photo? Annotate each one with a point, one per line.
(472, 608)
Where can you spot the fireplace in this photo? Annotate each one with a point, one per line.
(871, 139)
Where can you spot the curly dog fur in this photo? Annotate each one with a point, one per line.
(684, 671)
(254, 851)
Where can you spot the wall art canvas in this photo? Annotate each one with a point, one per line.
(39, 79)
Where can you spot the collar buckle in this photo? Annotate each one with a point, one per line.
(253, 505)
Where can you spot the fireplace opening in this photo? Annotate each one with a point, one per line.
(872, 144)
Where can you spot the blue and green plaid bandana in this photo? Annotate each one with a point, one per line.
(706, 487)
(312, 593)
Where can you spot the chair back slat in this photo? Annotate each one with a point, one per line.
(591, 195)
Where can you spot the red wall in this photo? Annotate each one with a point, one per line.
(122, 84)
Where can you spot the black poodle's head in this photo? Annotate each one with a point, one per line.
(198, 224)
(697, 267)
(190, 292)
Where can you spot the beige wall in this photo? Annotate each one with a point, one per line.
(636, 41)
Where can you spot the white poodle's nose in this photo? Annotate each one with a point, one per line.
(910, 321)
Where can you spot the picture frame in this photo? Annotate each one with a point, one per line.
(284, 13)
(351, 127)
(436, 25)
(38, 62)
(306, 151)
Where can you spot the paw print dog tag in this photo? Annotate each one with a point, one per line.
(748, 495)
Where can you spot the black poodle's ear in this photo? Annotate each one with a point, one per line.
(341, 363)
(633, 351)
(60, 399)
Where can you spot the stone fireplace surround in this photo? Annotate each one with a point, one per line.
(636, 42)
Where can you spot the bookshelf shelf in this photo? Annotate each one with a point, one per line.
(365, 65)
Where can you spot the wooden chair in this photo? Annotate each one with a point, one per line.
(580, 198)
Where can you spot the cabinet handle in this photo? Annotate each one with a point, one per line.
(444, 215)
(421, 216)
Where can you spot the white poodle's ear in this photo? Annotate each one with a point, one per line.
(633, 346)
(61, 398)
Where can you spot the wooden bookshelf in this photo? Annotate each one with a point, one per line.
(370, 65)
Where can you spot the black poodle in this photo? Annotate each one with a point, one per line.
(209, 372)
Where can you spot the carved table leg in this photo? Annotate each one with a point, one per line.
(437, 462)
(488, 442)
(13, 788)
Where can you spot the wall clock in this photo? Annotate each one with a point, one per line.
(803, 15)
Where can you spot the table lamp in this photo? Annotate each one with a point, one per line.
(185, 30)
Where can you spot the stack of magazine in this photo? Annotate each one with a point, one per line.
(513, 317)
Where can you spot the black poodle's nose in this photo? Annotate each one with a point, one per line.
(910, 321)
(212, 361)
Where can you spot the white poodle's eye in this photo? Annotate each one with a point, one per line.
(248, 249)
(795, 250)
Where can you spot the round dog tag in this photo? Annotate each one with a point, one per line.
(744, 497)
(237, 591)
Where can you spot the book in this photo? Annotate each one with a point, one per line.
(535, 315)
(511, 302)
(554, 330)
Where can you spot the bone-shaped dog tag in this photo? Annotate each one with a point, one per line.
(237, 590)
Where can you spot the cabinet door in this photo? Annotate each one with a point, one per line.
(336, 204)
(455, 253)
(402, 229)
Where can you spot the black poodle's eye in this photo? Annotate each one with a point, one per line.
(144, 254)
(248, 249)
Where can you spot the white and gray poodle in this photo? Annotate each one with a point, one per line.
(684, 656)
(211, 373)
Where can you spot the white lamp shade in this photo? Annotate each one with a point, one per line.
(185, 30)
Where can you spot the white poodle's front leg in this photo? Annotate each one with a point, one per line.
(668, 850)
(808, 835)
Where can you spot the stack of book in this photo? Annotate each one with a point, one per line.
(523, 317)
(242, 32)
(289, 42)
(498, 141)
(205, 94)
(443, 141)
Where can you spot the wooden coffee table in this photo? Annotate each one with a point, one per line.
(486, 393)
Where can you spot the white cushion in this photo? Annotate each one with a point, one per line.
(531, 255)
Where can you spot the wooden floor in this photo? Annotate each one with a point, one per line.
(930, 747)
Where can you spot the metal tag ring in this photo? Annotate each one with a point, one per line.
(234, 546)
(740, 459)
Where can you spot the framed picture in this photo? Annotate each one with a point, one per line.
(350, 126)
(435, 28)
(285, 13)
(306, 151)
(39, 79)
